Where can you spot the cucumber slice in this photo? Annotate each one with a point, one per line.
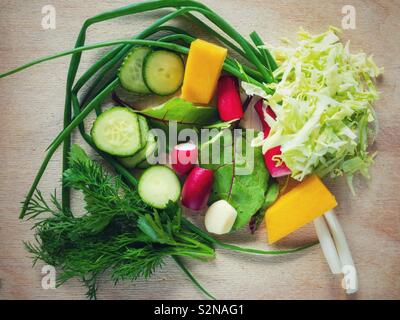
(163, 72)
(158, 185)
(130, 73)
(116, 131)
(144, 129)
(141, 155)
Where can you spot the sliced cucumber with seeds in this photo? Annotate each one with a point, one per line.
(158, 185)
(130, 73)
(144, 129)
(163, 72)
(117, 132)
(141, 155)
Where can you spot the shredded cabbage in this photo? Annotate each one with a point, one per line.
(323, 103)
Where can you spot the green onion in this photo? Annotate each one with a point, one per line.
(190, 276)
(61, 137)
(267, 56)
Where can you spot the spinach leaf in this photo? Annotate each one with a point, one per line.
(240, 177)
(185, 113)
(270, 197)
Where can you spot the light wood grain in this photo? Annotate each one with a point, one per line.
(31, 115)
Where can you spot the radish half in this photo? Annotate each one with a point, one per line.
(184, 157)
(197, 188)
(276, 168)
(229, 102)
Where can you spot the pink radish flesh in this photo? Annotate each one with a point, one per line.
(229, 103)
(274, 169)
(197, 188)
(184, 157)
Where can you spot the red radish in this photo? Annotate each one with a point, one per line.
(197, 188)
(229, 103)
(184, 157)
(275, 168)
(259, 109)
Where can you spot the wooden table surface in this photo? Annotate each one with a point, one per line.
(32, 113)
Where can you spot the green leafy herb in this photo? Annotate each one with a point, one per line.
(118, 233)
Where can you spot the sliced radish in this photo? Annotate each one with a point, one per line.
(350, 280)
(184, 157)
(229, 102)
(197, 188)
(276, 167)
(327, 245)
(272, 158)
(259, 107)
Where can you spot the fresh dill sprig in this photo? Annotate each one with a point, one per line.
(119, 234)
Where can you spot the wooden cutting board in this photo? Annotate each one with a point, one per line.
(32, 112)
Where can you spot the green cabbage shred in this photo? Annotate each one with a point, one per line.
(323, 103)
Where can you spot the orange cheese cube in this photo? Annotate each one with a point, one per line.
(301, 205)
(203, 68)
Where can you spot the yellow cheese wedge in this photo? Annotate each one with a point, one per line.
(203, 68)
(301, 205)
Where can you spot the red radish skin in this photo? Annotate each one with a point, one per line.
(184, 157)
(259, 109)
(197, 188)
(229, 103)
(275, 170)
